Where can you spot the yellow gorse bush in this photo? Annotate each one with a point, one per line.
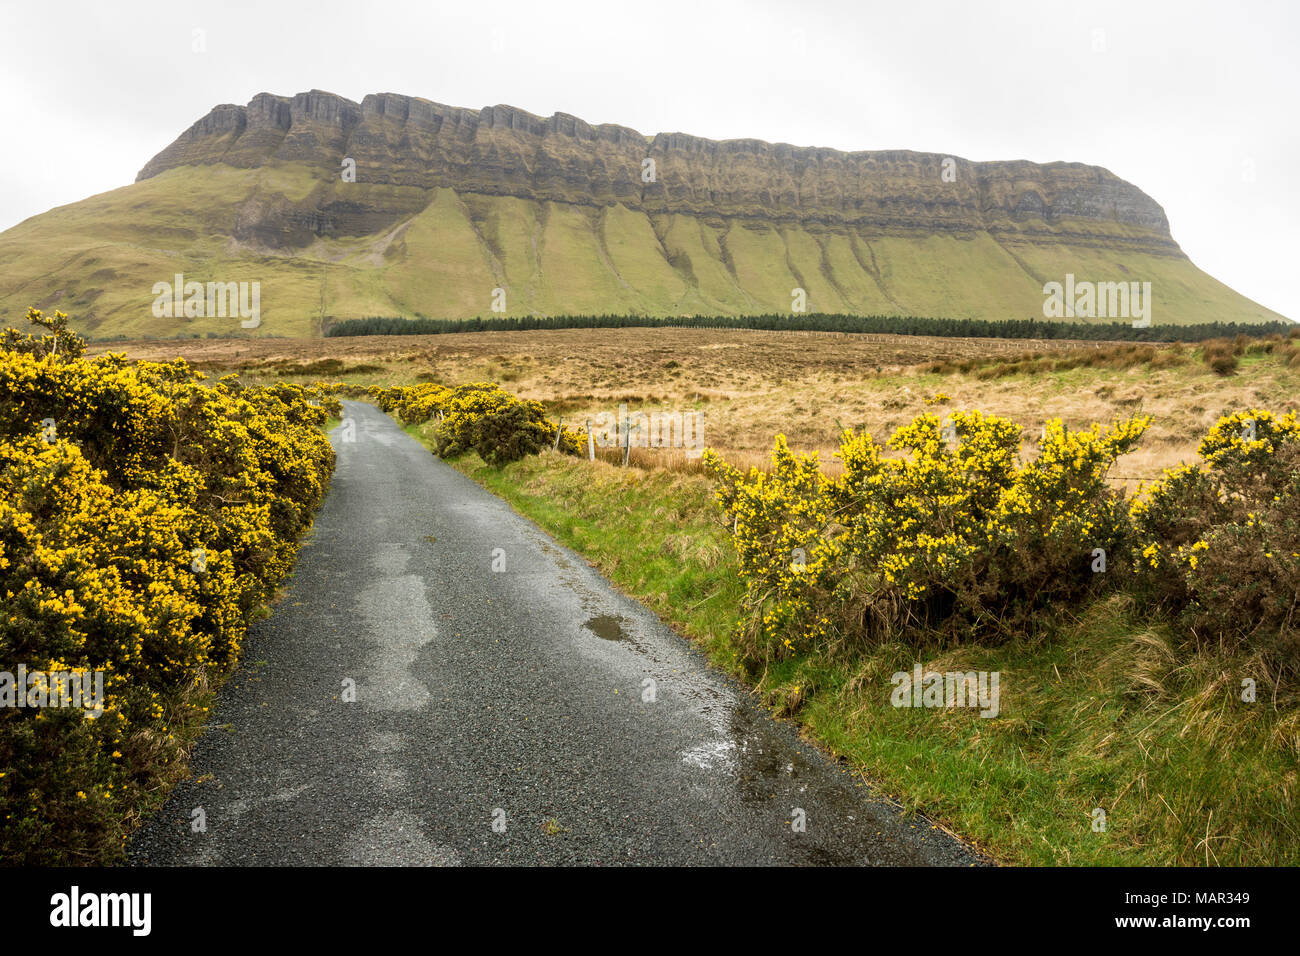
(953, 532)
(478, 416)
(413, 404)
(144, 517)
(1219, 540)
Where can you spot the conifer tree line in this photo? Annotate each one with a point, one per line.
(818, 322)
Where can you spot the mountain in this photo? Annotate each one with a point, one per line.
(454, 210)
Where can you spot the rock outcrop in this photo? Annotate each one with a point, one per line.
(502, 151)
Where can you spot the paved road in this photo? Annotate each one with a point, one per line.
(515, 697)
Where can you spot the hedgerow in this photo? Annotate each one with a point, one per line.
(145, 518)
(479, 417)
(957, 536)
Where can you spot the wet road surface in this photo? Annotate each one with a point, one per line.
(510, 707)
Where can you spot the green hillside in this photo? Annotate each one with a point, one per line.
(323, 249)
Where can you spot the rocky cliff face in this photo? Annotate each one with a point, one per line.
(403, 141)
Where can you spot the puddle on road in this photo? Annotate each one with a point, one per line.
(752, 750)
(764, 754)
(607, 626)
(768, 770)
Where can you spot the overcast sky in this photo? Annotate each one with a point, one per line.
(1195, 103)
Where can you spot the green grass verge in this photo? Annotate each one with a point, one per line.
(1100, 712)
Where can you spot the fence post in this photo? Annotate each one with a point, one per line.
(627, 445)
(559, 430)
(591, 443)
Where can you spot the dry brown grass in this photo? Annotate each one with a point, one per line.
(747, 386)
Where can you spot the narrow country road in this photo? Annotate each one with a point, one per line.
(533, 697)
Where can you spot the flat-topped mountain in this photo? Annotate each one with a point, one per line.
(502, 151)
(401, 206)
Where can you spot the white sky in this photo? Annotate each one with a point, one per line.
(1195, 103)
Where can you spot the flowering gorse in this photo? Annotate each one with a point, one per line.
(480, 417)
(145, 517)
(953, 532)
(1219, 540)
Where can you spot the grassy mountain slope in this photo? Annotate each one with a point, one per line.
(434, 225)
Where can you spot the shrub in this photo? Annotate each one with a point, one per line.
(1220, 540)
(1221, 355)
(957, 536)
(479, 417)
(501, 428)
(144, 518)
(1222, 363)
